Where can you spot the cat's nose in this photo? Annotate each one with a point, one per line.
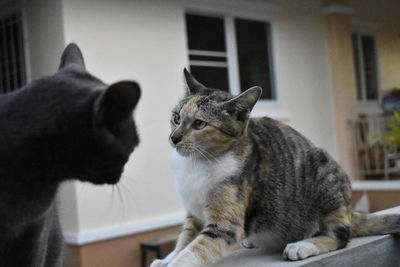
(176, 139)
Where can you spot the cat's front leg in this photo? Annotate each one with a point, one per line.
(190, 229)
(164, 262)
(209, 246)
(224, 229)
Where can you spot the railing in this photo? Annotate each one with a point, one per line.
(372, 251)
(378, 160)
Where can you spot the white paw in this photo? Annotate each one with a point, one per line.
(246, 243)
(159, 263)
(164, 262)
(300, 250)
(186, 258)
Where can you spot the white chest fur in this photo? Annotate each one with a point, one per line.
(195, 178)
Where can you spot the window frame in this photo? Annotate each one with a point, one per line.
(11, 6)
(367, 106)
(232, 56)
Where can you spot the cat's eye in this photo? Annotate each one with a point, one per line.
(177, 118)
(199, 124)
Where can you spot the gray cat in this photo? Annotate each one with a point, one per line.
(256, 181)
(66, 126)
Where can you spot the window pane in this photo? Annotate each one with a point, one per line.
(254, 57)
(213, 77)
(356, 56)
(207, 58)
(205, 33)
(371, 81)
(12, 67)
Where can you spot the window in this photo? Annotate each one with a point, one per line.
(230, 53)
(12, 59)
(364, 52)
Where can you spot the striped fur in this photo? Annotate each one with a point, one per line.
(287, 194)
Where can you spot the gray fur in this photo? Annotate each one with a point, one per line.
(66, 126)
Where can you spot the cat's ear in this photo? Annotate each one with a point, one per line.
(243, 104)
(72, 55)
(117, 104)
(193, 86)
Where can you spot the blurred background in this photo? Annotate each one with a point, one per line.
(329, 68)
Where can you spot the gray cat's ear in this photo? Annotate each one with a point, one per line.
(72, 55)
(243, 103)
(117, 104)
(193, 86)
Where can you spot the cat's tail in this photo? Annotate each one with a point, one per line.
(374, 224)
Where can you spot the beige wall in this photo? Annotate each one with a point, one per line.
(389, 57)
(302, 72)
(381, 18)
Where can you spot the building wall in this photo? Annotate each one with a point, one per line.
(145, 41)
(389, 57)
(44, 27)
(382, 21)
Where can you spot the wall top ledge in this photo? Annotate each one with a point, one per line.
(337, 9)
(380, 185)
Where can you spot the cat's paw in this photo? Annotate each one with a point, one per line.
(164, 262)
(159, 263)
(186, 258)
(300, 250)
(246, 244)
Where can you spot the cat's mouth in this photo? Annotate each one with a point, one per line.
(185, 150)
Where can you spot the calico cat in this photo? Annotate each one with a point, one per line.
(256, 181)
(66, 126)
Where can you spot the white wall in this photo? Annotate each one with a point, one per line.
(45, 38)
(145, 41)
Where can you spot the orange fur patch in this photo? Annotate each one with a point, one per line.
(341, 216)
(216, 136)
(208, 249)
(190, 108)
(185, 237)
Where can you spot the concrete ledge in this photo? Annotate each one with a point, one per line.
(372, 251)
(382, 185)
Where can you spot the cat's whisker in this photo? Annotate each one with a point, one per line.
(213, 158)
(122, 203)
(126, 184)
(192, 146)
(111, 204)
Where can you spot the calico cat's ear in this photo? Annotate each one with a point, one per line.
(117, 104)
(193, 86)
(72, 55)
(243, 103)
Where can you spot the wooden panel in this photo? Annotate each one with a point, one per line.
(119, 252)
(384, 200)
(355, 198)
(379, 200)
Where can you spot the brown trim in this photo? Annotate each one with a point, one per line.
(118, 252)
